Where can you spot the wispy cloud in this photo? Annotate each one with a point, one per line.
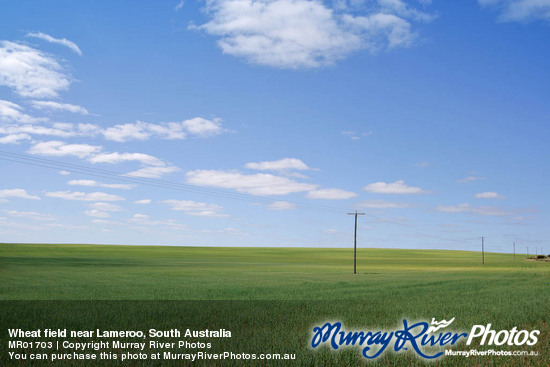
(30, 72)
(102, 210)
(279, 165)
(106, 207)
(143, 201)
(30, 215)
(97, 213)
(60, 149)
(93, 183)
(83, 196)
(14, 138)
(179, 6)
(117, 157)
(397, 187)
(353, 135)
(153, 171)
(144, 219)
(381, 204)
(17, 193)
(197, 127)
(60, 41)
(281, 205)
(488, 195)
(519, 10)
(56, 106)
(331, 194)
(471, 178)
(256, 184)
(481, 210)
(195, 208)
(12, 112)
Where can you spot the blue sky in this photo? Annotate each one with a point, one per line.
(262, 123)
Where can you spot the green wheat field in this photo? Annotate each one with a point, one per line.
(272, 297)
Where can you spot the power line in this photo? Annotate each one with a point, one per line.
(176, 186)
(96, 172)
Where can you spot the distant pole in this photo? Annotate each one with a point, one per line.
(514, 251)
(355, 242)
(527, 251)
(482, 251)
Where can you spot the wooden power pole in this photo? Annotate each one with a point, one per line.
(355, 242)
(482, 251)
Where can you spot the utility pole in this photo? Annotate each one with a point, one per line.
(482, 251)
(514, 251)
(355, 242)
(527, 251)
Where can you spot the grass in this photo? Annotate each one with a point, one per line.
(281, 290)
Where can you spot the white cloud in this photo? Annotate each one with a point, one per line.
(84, 196)
(331, 194)
(402, 9)
(152, 172)
(492, 211)
(281, 205)
(422, 164)
(257, 184)
(88, 129)
(125, 132)
(97, 213)
(471, 178)
(179, 6)
(125, 157)
(64, 173)
(139, 130)
(143, 201)
(195, 208)
(143, 219)
(105, 207)
(520, 10)
(11, 112)
(17, 193)
(30, 72)
(37, 130)
(60, 149)
(140, 216)
(397, 187)
(14, 138)
(488, 195)
(203, 127)
(354, 135)
(303, 33)
(30, 215)
(381, 204)
(63, 41)
(461, 208)
(56, 106)
(467, 208)
(280, 165)
(99, 184)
